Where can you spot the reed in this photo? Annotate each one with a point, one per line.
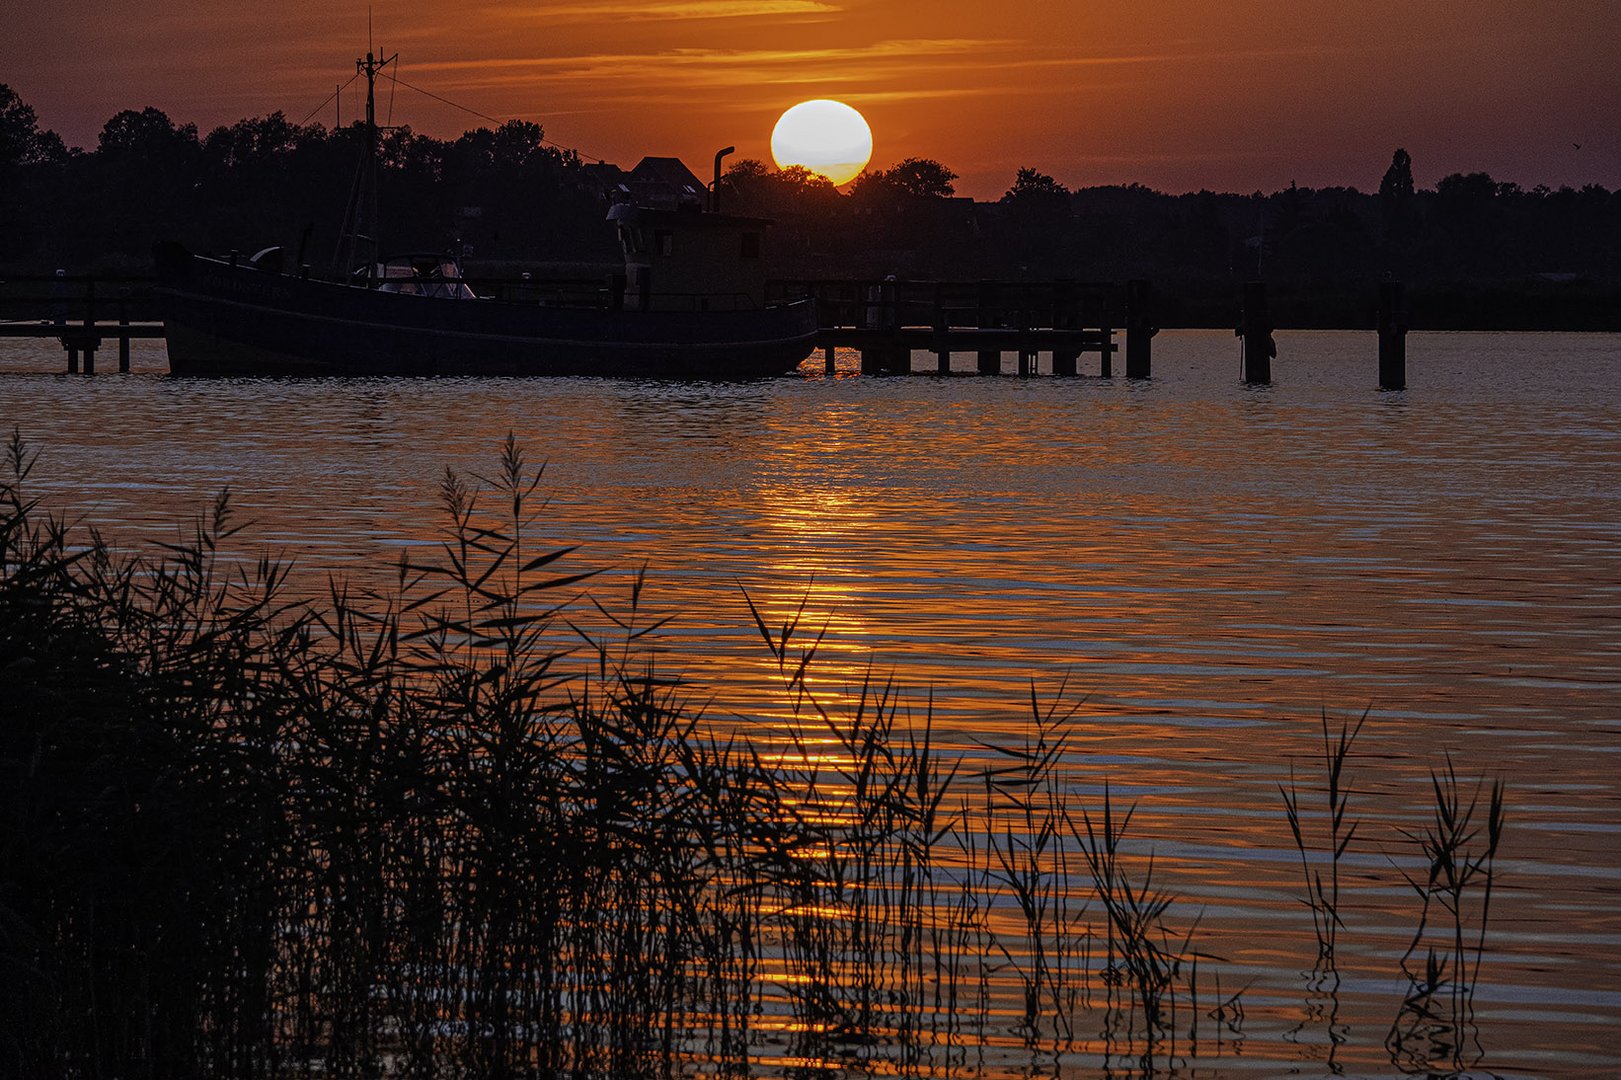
(1143, 952)
(1028, 851)
(1337, 833)
(467, 826)
(1435, 1025)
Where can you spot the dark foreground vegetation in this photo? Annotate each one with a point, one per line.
(242, 835)
(1476, 253)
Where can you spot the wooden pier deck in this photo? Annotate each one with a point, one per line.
(82, 312)
(889, 320)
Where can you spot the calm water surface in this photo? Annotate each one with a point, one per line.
(1206, 568)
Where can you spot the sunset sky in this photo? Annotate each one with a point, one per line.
(1237, 95)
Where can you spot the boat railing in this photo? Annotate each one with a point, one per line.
(608, 292)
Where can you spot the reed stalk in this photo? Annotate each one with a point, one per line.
(468, 827)
(1337, 833)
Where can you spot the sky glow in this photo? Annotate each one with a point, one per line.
(1236, 96)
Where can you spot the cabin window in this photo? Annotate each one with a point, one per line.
(665, 241)
(631, 240)
(751, 245)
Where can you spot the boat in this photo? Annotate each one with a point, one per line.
(690, 305)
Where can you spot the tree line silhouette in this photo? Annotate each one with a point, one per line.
(1474, 250)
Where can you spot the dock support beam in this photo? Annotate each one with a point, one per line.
(1106, 352)
(123, 326)
(90, 343)
(886, 358)
(988, 361)
(1255, 327)
(1065, 316)
(1392, 336)
(1140, 330)
(827, 360)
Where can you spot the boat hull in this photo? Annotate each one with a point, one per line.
(221, 319)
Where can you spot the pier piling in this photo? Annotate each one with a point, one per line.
(1027, 354)
(1392, 336)
(1106, 354)
(123, 330)
(988, 361)
(1255, 327)
(1065, 316)
(1140, 330)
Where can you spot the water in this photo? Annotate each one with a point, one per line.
(1206, 568)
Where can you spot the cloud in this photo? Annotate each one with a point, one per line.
(670, 10)
(672, 71)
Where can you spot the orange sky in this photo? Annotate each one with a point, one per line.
(1236, 95)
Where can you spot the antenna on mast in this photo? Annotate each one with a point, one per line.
(363, 237)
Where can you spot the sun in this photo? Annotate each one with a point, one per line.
(824, 136)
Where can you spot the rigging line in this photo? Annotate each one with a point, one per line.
(493, 119)
(328, 100)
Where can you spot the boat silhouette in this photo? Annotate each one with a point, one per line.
(690, 305)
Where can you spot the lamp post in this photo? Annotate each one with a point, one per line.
(714, 189)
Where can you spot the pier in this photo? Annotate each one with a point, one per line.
(1045, 327)
(889, 320)
(82, 312)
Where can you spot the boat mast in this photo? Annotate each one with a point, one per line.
(363, 238)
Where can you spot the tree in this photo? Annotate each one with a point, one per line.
(1398, 182)
(923, 178)
(1396, 205)
(751, 186)
(148, 133)
(1032, 186)
(255, 143)
(914, 178)
(21, 140)
(801, 183)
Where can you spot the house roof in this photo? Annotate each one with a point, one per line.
(670, 174)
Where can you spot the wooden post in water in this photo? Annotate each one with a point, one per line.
(1106, 352)
(1392, 336)
(870, 315)
(1066, 360)
(1027, 352)
(123, 326)
(942, 326)
(90, 341)
(827, 359)
(988, 361)
(1255, 327)
(1140, 330)
(73, 356)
